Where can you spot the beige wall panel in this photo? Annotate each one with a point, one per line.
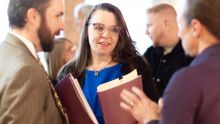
(69, 28)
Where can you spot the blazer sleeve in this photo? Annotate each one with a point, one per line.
(23, 100)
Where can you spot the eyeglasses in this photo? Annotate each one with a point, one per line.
(99, 28)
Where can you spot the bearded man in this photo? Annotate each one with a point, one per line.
(26, 94)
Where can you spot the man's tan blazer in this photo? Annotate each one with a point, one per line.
(25, 94)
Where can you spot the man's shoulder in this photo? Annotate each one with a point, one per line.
(13, 59)
(154, 49)
(187, 75)
(150, 49)
(153, 53)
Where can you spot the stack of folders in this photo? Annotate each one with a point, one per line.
(78, 109)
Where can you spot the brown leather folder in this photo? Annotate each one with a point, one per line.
(74, 102)
(109, 97)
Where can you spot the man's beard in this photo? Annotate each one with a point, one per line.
(46, 37)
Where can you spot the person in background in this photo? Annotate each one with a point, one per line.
(80, 12)
(106, 52)
(166, 55)
(64, 51)
(26, 94)
(192, 96)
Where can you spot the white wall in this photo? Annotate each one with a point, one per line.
(132, 10)
(4, 19)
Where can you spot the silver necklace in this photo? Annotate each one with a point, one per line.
(96, 73)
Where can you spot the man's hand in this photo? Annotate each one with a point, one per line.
(139, 105)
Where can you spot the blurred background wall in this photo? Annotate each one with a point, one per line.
(132, 10)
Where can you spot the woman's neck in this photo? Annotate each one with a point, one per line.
(100, 62)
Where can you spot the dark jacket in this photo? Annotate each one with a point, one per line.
(142, 68)
(164, 66)
(192, 96)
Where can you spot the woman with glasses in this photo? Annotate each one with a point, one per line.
(106, 52)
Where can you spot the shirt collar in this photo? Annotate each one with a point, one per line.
(207, 54)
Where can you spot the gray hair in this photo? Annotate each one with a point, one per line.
(82, 7)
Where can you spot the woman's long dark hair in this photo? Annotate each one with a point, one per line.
(124, 51)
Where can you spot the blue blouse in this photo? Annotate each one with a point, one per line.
(92, 82)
